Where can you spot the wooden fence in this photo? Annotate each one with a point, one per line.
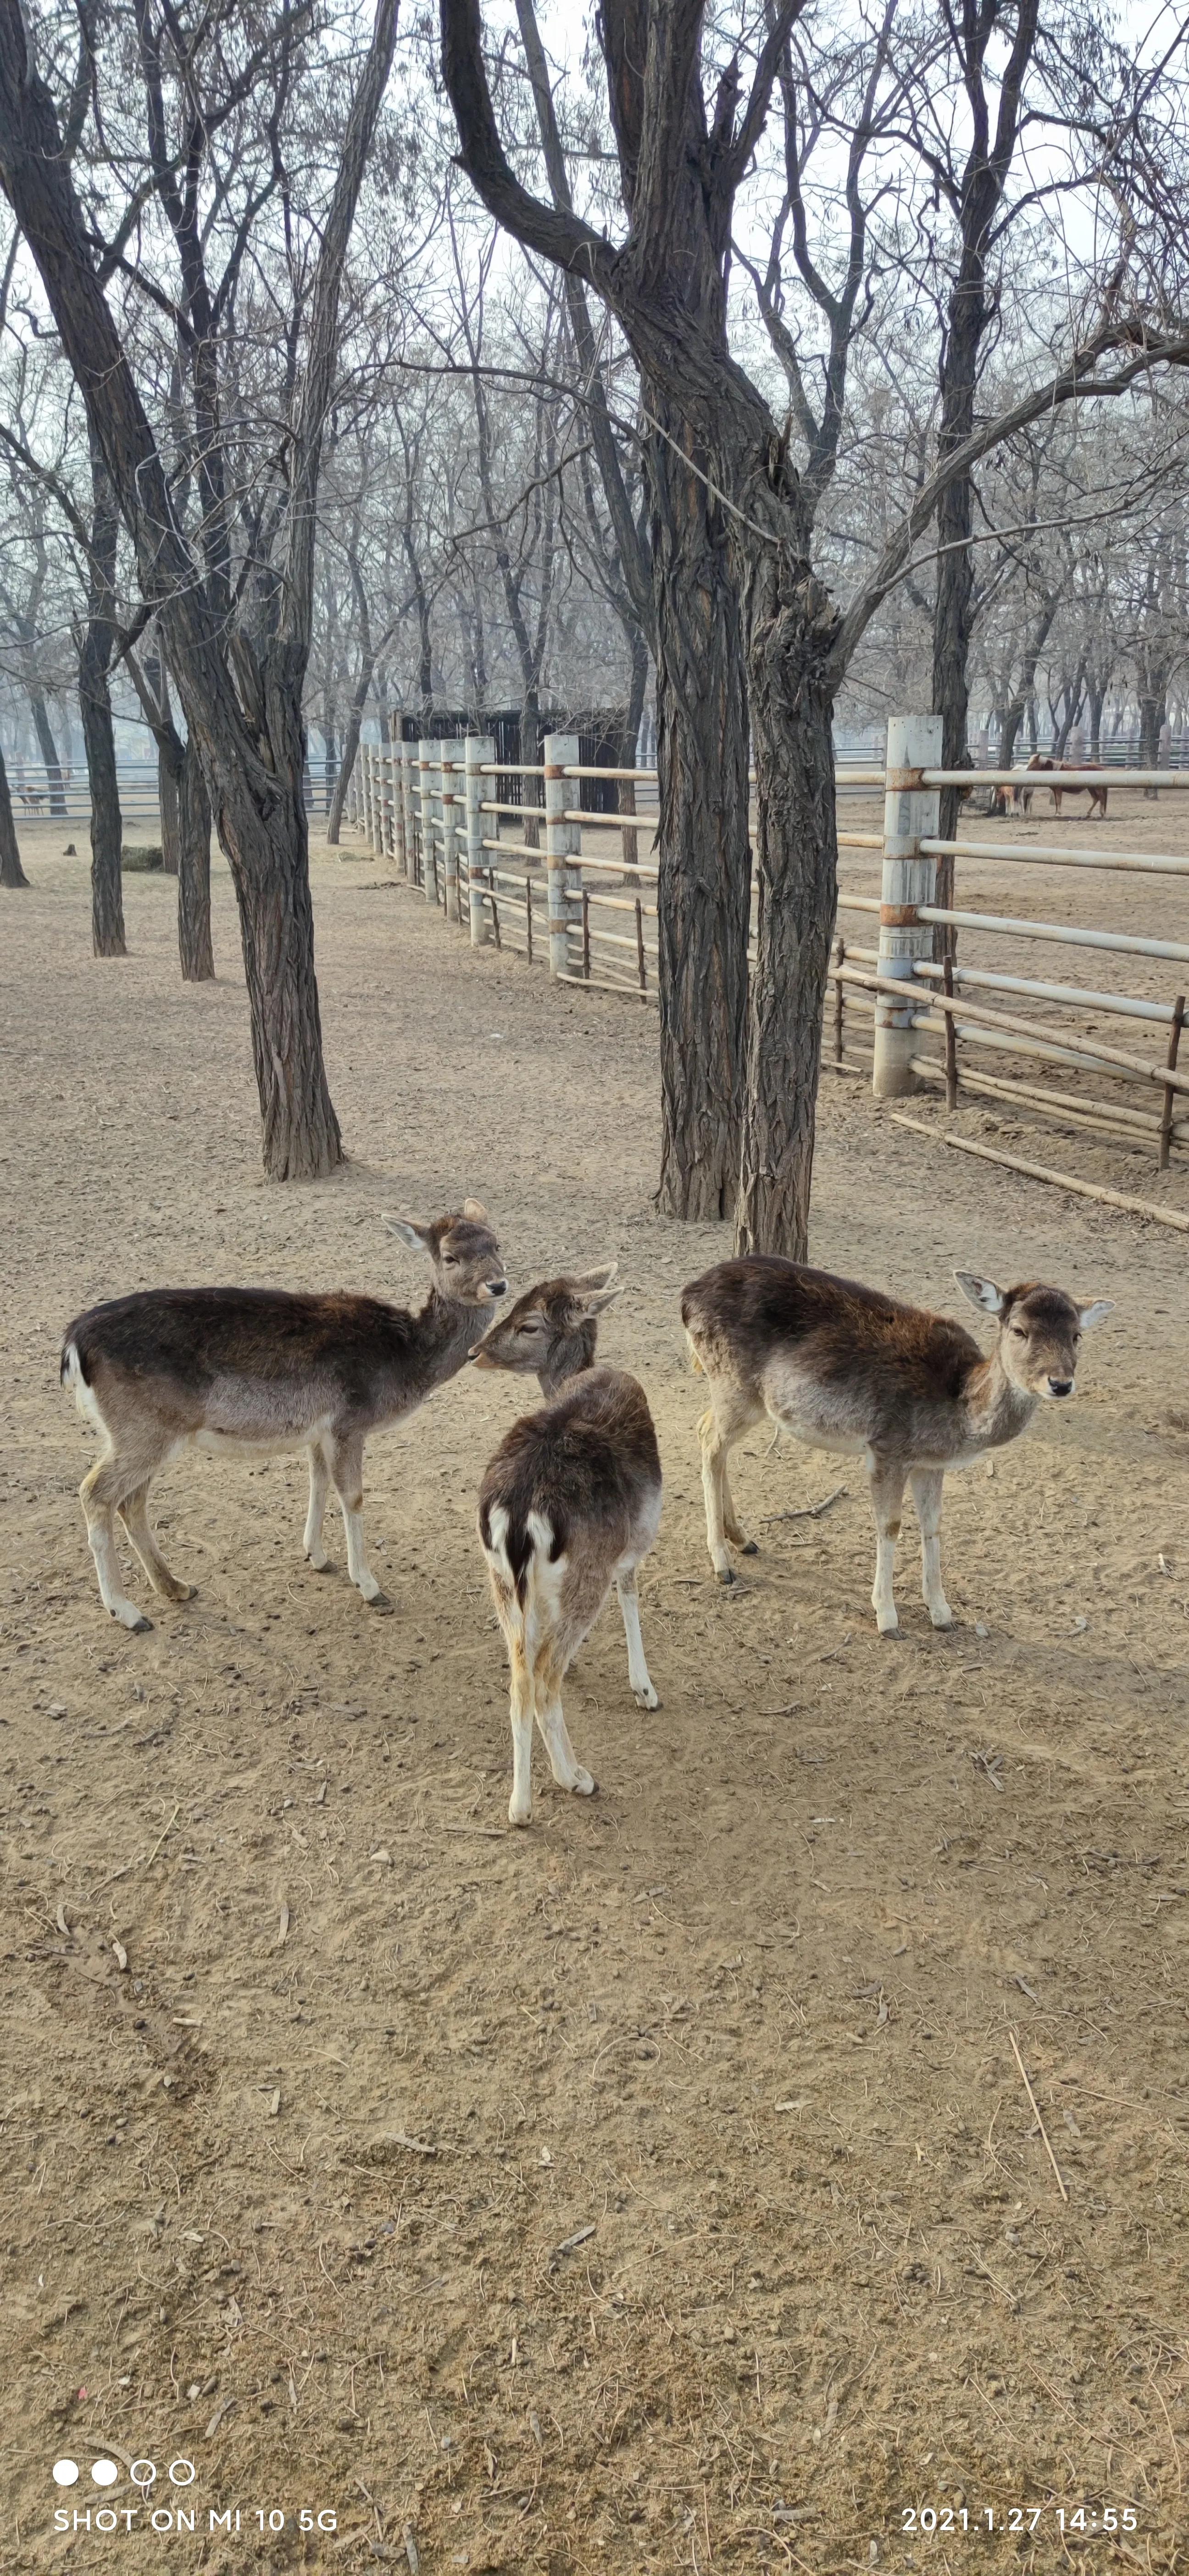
(908, 1019)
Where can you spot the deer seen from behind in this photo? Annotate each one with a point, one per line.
(843, 1367)
(259, 1370)
(569, 1505)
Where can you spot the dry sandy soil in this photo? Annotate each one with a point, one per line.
(738, 2242)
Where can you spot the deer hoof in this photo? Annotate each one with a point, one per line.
(378, 1601)
(139, 1627)
(519, 1815)
(583, 1785)
(749, 1547)
(646, 1697)
(725, 1573)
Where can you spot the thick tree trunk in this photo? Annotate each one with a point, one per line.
(532, 791)
(951, 650)
(171, 821)
(1153, 707)
(630, 737)
(268, 854)
(107, 830)
(791, 626)
(347, 764)
(704, 893)
(194, 872)
(94, 698)
(1094, 700)
(49, 753)
(11, 871)
(167, 766)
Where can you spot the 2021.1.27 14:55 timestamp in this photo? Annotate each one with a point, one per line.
(1088, 2520)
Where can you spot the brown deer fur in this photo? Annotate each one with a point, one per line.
(259, 1370)
(845, 1368)
(569, 1504)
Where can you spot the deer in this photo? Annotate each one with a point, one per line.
(843, 1367)
(259, 1371)
(569, 1505)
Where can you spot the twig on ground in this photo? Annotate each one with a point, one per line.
(1039, 2122)
(808, 1511)
(161, 1837)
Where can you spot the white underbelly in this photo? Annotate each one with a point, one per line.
(840, 1444)
(261, 1441)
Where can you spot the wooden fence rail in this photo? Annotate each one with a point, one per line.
(438, 810)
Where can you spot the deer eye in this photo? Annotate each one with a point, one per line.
(1019, 1332)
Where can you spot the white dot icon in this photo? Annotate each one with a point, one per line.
(65, 2472)
(104, 2472)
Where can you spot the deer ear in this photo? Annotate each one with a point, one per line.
(982, 1293)
(412, 1230)
(593, 1300)
(600, 1278)
(1089, 1316)
(475, 1210)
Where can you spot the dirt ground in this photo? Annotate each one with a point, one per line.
(738, 2245)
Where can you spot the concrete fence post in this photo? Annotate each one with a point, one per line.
(387, 801)
(562, 841)
(911, 815)
(451, 776)
(478, 751)
(429, 874)
(398, 796)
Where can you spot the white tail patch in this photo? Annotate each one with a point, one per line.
(84, 1395)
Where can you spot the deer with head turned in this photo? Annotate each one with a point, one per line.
(258, 1370)
(845, 1368)
(569, 1505)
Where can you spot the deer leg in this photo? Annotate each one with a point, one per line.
(346, 1474)
(134, 1513)
(732, 1528)
(927, 1484)
(520, 1710)
(312, 1542)
(555, 1734)
(97, 1494)
(718, 1430)
(887, 1497)
(639, 1680)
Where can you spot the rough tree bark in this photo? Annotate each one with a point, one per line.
(185, 819)
(791, 628)
(94, 699)
(248, 730)
(686, 596)
(55, 784)
(977, 199)
(11, 872)
(195, 945)
(704, 892)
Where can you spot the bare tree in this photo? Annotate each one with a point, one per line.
(797, 646)
(241, 690)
